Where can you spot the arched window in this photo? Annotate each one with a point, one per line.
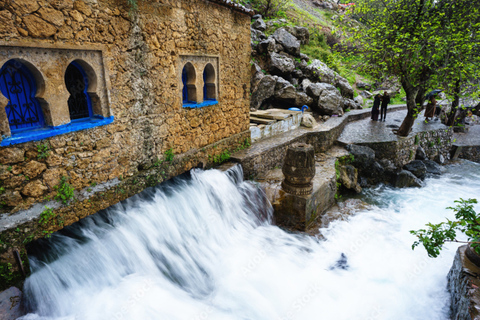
(209, 89)
(189, 90)
(18, 85)
(76, 81)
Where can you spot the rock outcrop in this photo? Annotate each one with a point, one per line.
(310, 82)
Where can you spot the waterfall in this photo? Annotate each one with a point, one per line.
(204, 247)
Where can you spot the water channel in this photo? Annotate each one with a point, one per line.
(204, 247)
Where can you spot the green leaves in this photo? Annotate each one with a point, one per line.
(434, 237)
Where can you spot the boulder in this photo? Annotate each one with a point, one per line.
(257, 16)
(362, 85)
(288, 41)
(348, 177)
(304, 57)
(280, 65)
(305, 84)
(432, 167)
(359, 100)
(318, 71)
(407, 179)
(366, 94)
(257, 35)
(417, 167)
(363, 157)
(308, 121)
(297, 73)
(345, 88)
(256, 75)
(265, 90)
(420, 154)
(376, 173)
(284, 91)
(302, 99)
(439, 158)
(301, 33)
(349, 104)
(10, 304)
(259, 24)
(266, 46)
(390, 173)
(329, 100)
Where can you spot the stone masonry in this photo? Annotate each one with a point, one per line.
(140, 52)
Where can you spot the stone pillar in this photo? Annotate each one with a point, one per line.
(299, 169)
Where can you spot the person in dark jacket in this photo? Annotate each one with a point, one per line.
(385, 102)
(376, 106)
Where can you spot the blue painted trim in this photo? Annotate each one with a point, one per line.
(43, 133)
(200, 105)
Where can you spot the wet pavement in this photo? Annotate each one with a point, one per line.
(471, 138)
(367, 130)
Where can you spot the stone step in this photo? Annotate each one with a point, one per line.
(261, 120)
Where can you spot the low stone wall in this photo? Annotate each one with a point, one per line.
(464, 284)
(434, 142)
(471, 153)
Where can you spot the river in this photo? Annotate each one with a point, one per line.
(204, 247)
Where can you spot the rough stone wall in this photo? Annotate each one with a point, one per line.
(142, 52)
(401, 152)
(463, 285)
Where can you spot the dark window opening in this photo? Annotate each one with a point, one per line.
(17, 84)
(76, 81)
(209, 88)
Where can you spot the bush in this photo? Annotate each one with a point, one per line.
(468, 222)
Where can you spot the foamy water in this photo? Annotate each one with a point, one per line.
(205, 248)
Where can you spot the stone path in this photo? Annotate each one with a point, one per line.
(366, 130)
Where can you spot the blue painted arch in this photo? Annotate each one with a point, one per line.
(18, 85)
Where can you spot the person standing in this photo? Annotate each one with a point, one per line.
(385, 102)
(430, 109)
(376, 106)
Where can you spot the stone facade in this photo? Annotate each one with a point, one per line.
(137, 55)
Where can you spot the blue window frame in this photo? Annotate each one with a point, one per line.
(79, 103)
(25, 115)
(18, 85)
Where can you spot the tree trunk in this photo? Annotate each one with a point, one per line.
(413, 111)
(456, 100)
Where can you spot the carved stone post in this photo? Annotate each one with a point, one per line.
(299, 169)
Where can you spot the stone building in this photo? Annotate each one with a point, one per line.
(109, 97)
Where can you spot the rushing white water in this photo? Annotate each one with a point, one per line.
(204, 248)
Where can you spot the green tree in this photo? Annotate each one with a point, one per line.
(422, 42)
(267, 8)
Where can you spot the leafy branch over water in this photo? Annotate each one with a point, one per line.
(467, 221)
